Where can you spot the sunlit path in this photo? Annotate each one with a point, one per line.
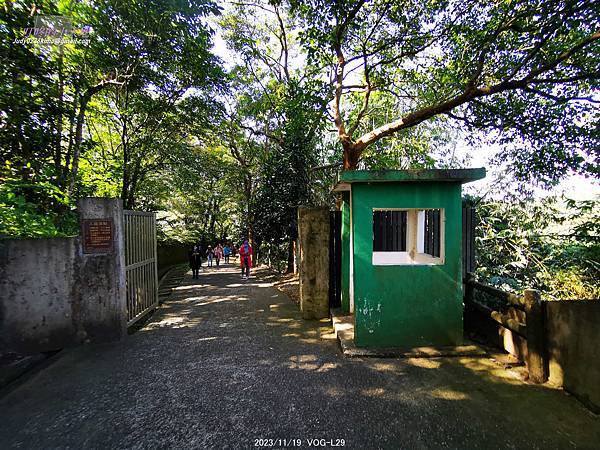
(227, 361)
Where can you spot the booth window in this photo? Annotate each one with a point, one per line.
(389, 231)
(408, 236)
(429, 221)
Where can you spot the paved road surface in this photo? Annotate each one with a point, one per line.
(227, 362)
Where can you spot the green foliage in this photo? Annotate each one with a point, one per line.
(199, 198)
(275, 255)
(27, 94)
(426, 146)
(273, 132)
(540, 245)
(284, 185)
(28, 210)
(524, 71)
(145, 112)
(285, 172)
(110, 116)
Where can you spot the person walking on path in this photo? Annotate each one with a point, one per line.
(195, 260)
(246, 258)
(209, 255)
(226, 253)
(218, 254)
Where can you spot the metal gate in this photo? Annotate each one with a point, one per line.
(140, 264)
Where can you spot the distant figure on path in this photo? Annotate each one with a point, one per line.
(195, 260)
(218, 253)
(226, 253)
(209, 255)
(246, 258)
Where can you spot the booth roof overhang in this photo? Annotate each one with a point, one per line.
(399, 176)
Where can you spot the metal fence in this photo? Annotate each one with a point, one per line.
(140, 264)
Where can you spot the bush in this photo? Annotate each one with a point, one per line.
(552, 246)
(274, 255)
(35, 210)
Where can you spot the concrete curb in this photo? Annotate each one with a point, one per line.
(343, 326)
(13, 371)
(170, 279)
(12, 374)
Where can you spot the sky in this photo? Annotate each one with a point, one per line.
(575, 187)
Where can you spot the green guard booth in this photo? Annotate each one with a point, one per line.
(401, 255)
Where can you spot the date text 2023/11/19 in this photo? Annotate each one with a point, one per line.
(296, 442)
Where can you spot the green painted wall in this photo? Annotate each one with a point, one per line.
(408, 305)
(346, 252)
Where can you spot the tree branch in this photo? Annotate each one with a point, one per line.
(366, 99)
(468, 95)
(284, 44)
(271, 136)
(559, 99)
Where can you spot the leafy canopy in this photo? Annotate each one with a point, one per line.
(525, 71)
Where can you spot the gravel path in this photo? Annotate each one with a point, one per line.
(229, 363)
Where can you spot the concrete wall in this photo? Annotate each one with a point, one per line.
(572, 344)
(573, 347)
(102, 292)
(170, 254)
(53, 295)
(36, 275)
(313, 235)
(407, 305)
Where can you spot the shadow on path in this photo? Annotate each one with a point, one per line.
(227, 361)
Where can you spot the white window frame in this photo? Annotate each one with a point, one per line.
(415, 241)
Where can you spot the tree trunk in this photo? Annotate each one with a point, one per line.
(290, 258)
(83, 104)
(124, 141)
(249, 214)
(252, 244)
(351, 158)
(213, 217)
(78, 140)
(59, 118)
(129, 200)
(67, 164)
(135, 178)
(204, 219)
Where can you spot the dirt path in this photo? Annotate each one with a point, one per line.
(227, 362)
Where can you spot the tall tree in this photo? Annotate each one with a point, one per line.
(285, 176)
(151, 48)
(526, 69)
(280, 109)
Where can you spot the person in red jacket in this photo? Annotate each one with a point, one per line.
(246, 258)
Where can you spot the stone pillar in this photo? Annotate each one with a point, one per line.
(101, 289)
(537, 362)
(313, 237)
